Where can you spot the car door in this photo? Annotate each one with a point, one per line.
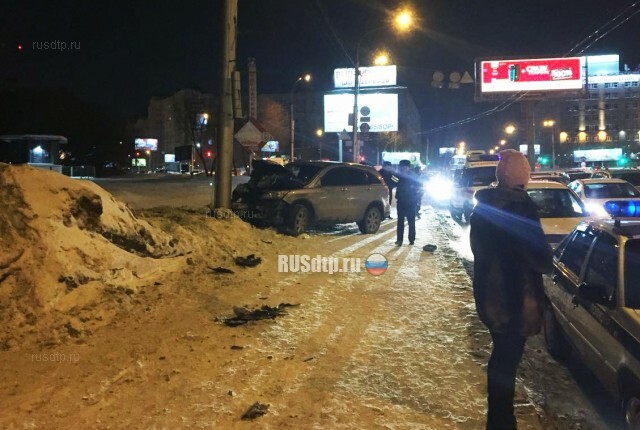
(330, 202)
(594, 320)
(563, 285)
(358, 193)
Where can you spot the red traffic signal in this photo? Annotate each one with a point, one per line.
(209, 153)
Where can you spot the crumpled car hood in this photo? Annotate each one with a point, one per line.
(267, 175)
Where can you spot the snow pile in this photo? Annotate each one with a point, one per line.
(63, 241)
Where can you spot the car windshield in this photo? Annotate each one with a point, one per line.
(304, 173)
(632, 177)
(556, 203)
(632, 273)
(610, 190)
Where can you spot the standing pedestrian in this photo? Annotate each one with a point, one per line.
(510, 255)
(407, 192)
(387, 174)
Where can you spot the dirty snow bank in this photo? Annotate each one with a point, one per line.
(63, 242)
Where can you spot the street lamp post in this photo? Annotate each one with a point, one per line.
(551, 123)
(149, 158)
(403, 21)
(305, 78)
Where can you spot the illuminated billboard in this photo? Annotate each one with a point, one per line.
(376, 76)
(546, 74)
(525, 149)
(606, 154)
(382, 112)
(146, 144)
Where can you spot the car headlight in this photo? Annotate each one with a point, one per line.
(439, 188)
(597, 210)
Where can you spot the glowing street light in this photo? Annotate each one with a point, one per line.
(503, 142)
(319, 132)
(381, 59)
(404, 20)
(510, 129)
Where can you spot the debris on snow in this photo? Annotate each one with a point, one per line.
(221, 270)
(249, 261)
(244, 315)
(256, 410)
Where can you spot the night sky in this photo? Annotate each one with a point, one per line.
(131, 51)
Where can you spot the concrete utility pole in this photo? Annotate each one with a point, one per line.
(225, 118)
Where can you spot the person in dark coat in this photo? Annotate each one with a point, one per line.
(407, 193)
(510, 255)
(387, 175)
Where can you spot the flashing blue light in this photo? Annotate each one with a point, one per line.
(623, 208)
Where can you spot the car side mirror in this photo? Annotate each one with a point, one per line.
(594, 292)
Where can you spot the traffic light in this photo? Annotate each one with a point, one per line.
(623, 161)
(137, 153)
(209, 153)
(544, 160)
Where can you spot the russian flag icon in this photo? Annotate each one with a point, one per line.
(376, 264)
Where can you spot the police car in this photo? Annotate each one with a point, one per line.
(593, 302)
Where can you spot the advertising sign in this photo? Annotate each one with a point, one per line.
(146, 144)
(395, 157)
(169, 158)
(525, 149)
(448, 150)
(605, 154)
(382, 112)
(546, 74)
(376, 76)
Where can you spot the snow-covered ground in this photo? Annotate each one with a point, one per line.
(112, 318)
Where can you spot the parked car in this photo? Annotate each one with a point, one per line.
(559, 209)
(630, 175)
(550, 175)
(593, 303)
(301, 194)
(595, 192)
(474, 176)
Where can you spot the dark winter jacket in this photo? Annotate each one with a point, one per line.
(408, 189)
(510, 255)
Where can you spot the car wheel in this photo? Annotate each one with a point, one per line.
(298, 219)
(371, 221)
(554, 338)
(632, 412)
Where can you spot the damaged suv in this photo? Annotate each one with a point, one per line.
(300, 194)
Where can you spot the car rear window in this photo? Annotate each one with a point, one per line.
(479, 176)
(556, 203)
(610, 190)
(632, 273)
